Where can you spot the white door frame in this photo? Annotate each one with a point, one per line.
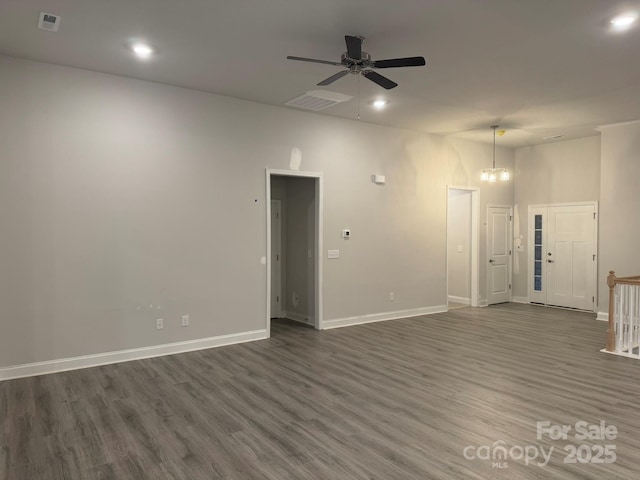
(530, 256)
(510, 237)
(318, 248)
(475, 210)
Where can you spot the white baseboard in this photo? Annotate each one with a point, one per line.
(462, 300)
(620, 354)
(296, 317)
(379, 317)
(86, 361)
(520, 299)
(604, 316)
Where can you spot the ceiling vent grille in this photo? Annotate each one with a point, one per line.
(49, 22)
(316, 100)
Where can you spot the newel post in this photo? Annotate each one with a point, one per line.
(611, 331)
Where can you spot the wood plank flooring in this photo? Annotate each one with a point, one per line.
(391, 400)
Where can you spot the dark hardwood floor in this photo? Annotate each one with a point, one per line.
(400, 399)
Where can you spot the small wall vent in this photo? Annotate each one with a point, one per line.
(316, 100)
(49, 22)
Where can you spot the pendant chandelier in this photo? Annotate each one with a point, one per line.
(494, 174)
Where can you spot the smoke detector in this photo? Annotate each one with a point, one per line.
(48, 21)
(316, 100)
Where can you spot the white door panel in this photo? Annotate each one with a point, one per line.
(582, 264)
(499, 227)
(499, 275)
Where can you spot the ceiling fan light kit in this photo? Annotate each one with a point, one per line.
(358, 62)
(379, 104)
(493, 174)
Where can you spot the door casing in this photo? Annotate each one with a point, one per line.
(475, 210)
(318, 241)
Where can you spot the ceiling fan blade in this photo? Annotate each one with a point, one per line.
(400, 62)
(354, 47)
(333, 78)
(384, 82)
(313, 60)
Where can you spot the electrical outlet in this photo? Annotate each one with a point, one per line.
(392, 296)
(184, 321)
(159, 324)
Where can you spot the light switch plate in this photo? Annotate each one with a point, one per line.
(333, 253)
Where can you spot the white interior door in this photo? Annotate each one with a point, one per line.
(276, 259)
(570, 256)
(499, 254)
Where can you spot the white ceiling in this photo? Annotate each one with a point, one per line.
(536, 67)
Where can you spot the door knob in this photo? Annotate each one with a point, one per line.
(550, 261)
(491, 261)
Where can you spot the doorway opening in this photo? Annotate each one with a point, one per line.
(462, 247)
(294, 243)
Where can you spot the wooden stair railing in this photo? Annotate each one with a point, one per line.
(612, 281)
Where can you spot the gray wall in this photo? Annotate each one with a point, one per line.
(459, 235)
(619, 206)
(123, 201)
(552, 173)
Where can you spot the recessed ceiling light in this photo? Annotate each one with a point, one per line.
(142, 50)
(380, 104)
(624, 21)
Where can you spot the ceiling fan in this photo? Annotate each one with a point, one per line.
(358, 62)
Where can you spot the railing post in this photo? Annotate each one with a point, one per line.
(611, 331)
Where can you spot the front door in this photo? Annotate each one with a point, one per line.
(499, 254)
(570, 256)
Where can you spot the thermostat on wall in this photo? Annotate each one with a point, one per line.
(346, 234)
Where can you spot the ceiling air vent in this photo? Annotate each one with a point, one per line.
(318, 100)
(49, 22)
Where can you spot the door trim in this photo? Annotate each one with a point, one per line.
(475, 265)
(510, 261)
(530, 235)
(319, 213)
